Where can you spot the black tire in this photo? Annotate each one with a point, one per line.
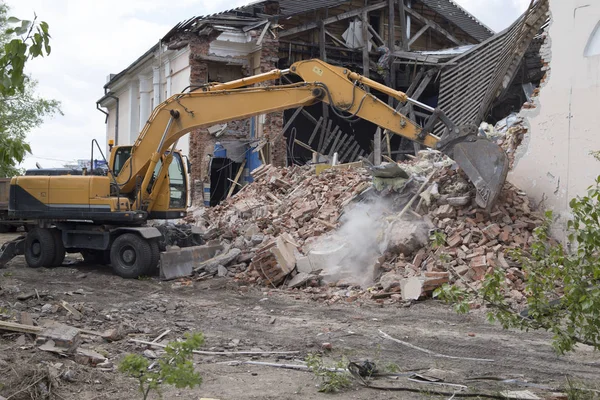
(59, 248)
(155, 256)
(130, 256)
(97, 257)
(39, 248)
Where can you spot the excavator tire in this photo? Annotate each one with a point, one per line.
(39, 248)
(155, 253)
(130, 256)
(59, 248)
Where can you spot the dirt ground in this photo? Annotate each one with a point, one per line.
(237, 318)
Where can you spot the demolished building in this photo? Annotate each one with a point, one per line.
(406, 44)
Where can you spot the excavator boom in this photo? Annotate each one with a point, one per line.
(348, 94)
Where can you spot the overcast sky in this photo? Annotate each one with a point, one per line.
(91, 39)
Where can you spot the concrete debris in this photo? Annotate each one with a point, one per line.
(405, 237)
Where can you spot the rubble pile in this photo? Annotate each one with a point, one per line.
(469, 242)
(282, 208)
(276, 222)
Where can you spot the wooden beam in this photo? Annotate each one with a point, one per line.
(377, 150)
(365, 36)
(373, 31)
(335, 39)
(237, 178)
(432, 25)
(403, 32)
(219, 59)
(331, 20)
(417, 35)
(262, 34)
(391, 45)
(322, 52)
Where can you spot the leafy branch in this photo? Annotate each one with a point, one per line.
(23, 40)
(563, 295)
(175, 367)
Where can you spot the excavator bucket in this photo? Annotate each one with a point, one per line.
(486, 165)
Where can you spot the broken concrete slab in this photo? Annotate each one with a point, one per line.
(211, 265)
(405, 237)
(460, 201)
(411, 288)
(63, 336)
(299, 280)
(179, 263)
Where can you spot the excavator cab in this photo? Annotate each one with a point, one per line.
(170, 188)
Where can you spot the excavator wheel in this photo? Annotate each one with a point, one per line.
(39, 248)
(155, 253)
(130, 256)
(59, 248)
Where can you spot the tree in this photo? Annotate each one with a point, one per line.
(562, 285)
(20, 109)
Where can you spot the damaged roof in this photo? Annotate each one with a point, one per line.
(460, 17)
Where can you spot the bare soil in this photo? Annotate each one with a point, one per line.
(237, 318)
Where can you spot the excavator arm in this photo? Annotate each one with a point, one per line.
(347, 93)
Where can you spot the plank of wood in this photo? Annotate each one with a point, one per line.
(377, 151)
(403, 30)
(417, 35)
(432, 24)
(365, 52)
(330, 20)
(314, 133)
(162, 335)
(76, 314)
(262, 34)
(14, 327)
(237, 178)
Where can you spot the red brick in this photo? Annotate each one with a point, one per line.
(492, 231)
(454, 240)
(478, 261)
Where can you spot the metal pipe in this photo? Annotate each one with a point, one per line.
(398, 95)
(116, 116)
(419, 104)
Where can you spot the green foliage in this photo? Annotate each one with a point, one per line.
(438, 239)
(22, 40)
(175, 367)
(563, 295)
(333, 378)
(20, 109)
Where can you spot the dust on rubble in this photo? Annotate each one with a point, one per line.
(337, 235)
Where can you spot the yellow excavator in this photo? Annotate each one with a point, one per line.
(106, 216)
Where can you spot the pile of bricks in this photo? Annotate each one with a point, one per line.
(293, 200)
(474, 242)
(273, 218)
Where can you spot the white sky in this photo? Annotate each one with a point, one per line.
(91, 39)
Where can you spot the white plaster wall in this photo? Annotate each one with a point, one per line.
(554, 163)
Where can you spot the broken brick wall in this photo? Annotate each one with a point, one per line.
(202, 143)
